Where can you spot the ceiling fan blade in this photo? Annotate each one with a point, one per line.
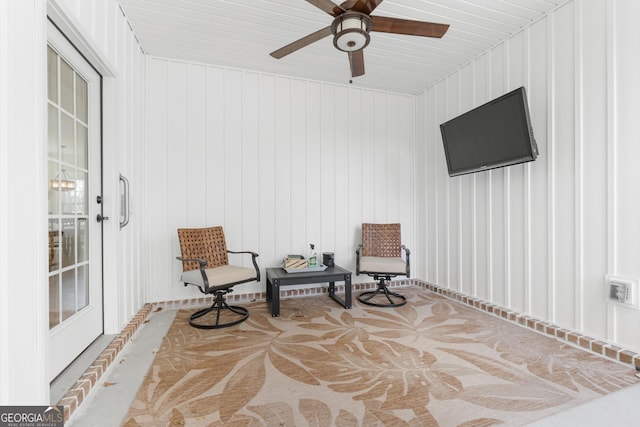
(405, 26)
(362, 6)
(328, 6)
(299, 44)
(356, 61)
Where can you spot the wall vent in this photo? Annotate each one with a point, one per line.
(622, 290)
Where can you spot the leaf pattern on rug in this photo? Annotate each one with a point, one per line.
(432, 362)
(316, 412)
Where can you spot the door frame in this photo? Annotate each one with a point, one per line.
(70, 28)
(71, 337)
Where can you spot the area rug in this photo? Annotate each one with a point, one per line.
(432, 362)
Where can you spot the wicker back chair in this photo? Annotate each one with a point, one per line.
(380, 256)
(205, 264)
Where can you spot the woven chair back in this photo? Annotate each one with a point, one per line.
(205, 243)
(381, 240)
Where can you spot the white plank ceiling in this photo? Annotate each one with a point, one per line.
(241, 34)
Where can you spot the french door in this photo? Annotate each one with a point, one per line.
(74, 183)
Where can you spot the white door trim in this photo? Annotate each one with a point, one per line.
(61, 18)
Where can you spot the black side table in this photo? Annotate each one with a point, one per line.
(277, 277)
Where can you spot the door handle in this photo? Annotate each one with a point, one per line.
(101, 218)
(124, 197)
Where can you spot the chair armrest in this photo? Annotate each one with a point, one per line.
(253, 259)
(407, 252)
(358, 249)
(201, 261)
(203, 264)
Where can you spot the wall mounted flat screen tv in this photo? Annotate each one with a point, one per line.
(493, 135)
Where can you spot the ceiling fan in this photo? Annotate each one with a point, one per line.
(351, 26)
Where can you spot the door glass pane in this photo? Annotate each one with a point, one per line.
(68, 296)
(82, 144)
(83, 287)
(81, 99)
(52, 135)
(67, 191)
(83, 240)
(66, 86)
(52, 79)
(81, 194)
(67, 138)
(54, 188)
(68, 242)
(54, 244)
(54, 300)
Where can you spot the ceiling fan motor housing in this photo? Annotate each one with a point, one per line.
(351, 31)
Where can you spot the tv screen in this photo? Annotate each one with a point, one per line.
(493, 135)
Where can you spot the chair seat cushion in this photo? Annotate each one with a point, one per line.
(376, 264)
(220, 276)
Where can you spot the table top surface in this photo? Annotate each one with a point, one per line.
(281, 273)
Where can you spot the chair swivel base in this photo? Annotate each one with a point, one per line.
(240, 314)
(394, 299)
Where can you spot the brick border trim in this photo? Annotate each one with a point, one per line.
(81, 389)
(585, 342)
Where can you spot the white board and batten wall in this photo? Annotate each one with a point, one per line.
(540, 238)
(23, 270)
(278, 162)
(101, 32)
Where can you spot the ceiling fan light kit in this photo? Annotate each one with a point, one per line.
(351, 26)
(351, 31)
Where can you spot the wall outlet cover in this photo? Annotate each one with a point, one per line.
(622, 290)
